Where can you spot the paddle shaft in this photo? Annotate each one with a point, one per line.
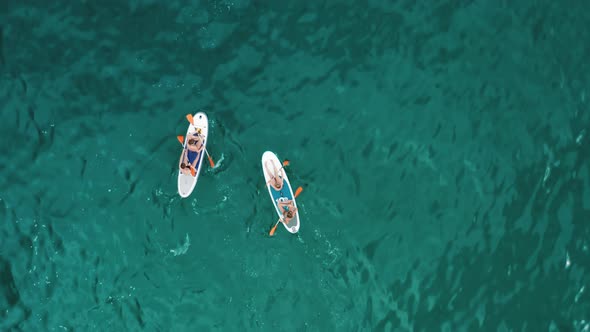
(274, 228)
(207, 152)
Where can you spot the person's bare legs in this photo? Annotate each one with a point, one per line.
(201, 146)
(278, 185)
(200, 139)
(267, 169)
(277, 171)
(278, 177)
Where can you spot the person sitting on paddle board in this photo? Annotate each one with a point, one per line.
(191, 153)
(276, 179)
(288, 209)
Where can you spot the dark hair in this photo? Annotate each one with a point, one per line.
(289, 214)
(192, 141)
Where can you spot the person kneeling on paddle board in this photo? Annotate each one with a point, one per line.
(192, 153)
(288, 209)
(276, 179)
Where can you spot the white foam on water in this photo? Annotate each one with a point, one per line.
(580, 136)
(580, 292)
(181, 250)
(194, 206)
(219, 162)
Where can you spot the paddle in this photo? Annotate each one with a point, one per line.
(274, 228)
(211, 163)
(190, 119)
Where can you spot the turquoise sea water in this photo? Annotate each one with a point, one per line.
(442, 148)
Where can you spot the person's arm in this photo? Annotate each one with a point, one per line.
(281, 173)
(288, 203)
(182, 157)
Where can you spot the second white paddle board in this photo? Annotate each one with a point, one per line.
(270, 161)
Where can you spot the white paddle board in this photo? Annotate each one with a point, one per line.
(286, 191)
(187, 182)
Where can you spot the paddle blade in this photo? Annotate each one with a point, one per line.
(272, 231)
(298, 191)
(193, 171)
(286, 162)
(189, 117)
(211, 161)
(180, 138)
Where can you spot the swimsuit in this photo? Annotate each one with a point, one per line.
(191, 156)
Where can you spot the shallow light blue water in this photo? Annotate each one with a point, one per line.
(442, 149)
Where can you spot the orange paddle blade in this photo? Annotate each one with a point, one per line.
(272, 231)
(189, 117)
(298, 191)
(210, 159)
(193, 172)
(286, 162)
(180, 139)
